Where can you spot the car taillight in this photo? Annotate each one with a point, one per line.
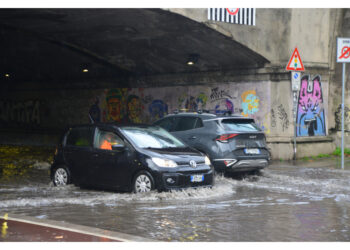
(225, 137)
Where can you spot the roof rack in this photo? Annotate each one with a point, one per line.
(218, 112)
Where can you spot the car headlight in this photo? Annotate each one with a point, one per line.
(207, 161)
(164, 162)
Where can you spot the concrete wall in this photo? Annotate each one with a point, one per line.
(277, 32)
(49, 111)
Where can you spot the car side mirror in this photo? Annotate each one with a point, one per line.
(118, 147)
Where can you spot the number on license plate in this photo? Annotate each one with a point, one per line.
(197, 178)
(253, 151)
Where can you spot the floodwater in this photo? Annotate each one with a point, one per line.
(283, 203)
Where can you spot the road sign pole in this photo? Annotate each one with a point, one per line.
(295, 123)
(342, 117)
(343, 56)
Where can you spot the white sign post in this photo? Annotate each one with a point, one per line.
(296, 66)
(343, 56)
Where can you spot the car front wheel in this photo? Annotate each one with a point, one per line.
(143, 182)
(61, 176)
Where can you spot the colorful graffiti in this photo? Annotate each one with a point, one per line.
(115, 105)
(145, 105)
(134, 109)
(202, 100)
(158, 109)
(191, 103)
(224, 106)
(310, 112)
(250, 103)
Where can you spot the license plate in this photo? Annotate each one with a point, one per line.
(252, 151)
(197, 178)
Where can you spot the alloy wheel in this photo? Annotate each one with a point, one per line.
(143, 184)
(61, 177)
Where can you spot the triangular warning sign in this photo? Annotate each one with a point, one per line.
(295, 63)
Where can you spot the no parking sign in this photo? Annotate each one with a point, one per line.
(343, 50)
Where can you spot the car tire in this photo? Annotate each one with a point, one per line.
(61, 176)
(143, 182)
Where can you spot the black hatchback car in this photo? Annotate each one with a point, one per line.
(234, 143)
(130, 158)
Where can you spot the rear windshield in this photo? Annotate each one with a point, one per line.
(240, 125)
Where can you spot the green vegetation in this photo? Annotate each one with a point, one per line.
(337, 152)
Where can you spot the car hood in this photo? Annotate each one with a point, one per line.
(182, 156)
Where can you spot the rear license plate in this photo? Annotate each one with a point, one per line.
(197, 178)
(252, 151)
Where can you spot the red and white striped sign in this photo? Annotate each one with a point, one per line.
(245, 16)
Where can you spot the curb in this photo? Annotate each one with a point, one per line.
(73, 228)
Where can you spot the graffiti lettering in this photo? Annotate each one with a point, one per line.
(27, 112)
(217, 94)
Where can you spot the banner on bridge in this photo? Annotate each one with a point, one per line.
(245, 16)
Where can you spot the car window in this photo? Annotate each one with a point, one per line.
(106, 139)
(166, 123)
(185, 123)
(81, 137)
(199, 123)
(152, 137)
(240, 125)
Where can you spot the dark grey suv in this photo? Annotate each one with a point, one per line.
(233, 143)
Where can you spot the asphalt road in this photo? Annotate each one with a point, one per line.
(304, 201)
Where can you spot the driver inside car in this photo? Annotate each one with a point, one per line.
(107, 141)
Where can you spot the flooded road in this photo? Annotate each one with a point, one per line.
(284, 203)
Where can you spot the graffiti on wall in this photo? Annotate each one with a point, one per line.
(279, 117)
(250, 103)
(146, 105)
(273, 118)
(310, 111)
(189, 102)
(217, 94)
(338, 118)
(14, 112)
(158, 109)
(283, 117)
(115, 102)
(134, 109)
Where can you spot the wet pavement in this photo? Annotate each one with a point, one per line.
(302, 201)
(14, 231)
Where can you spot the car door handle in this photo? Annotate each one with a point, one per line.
(193, 137)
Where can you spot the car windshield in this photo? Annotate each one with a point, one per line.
(240, 125)
(152, 137)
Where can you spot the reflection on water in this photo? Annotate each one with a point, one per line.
(285, 203)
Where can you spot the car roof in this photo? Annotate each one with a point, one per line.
(111, 125)
(207, 116)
